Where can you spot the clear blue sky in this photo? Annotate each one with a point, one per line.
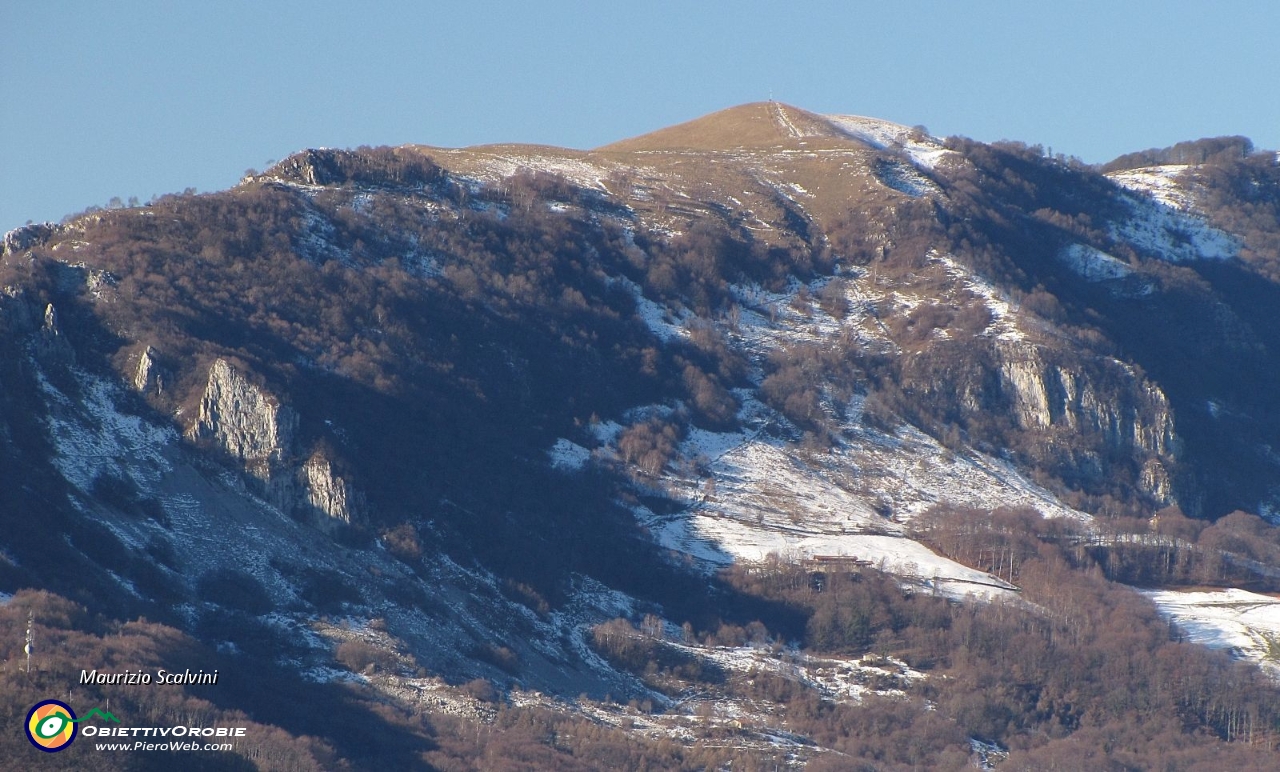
(136, 98)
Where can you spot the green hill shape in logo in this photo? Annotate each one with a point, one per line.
(96, 712)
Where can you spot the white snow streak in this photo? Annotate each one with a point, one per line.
(924, 151)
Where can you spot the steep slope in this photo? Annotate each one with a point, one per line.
(729, 263)
(464, 406)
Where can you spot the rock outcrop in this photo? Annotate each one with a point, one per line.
(1114, 410)
(251, 426)
(52, 347)
(1133, 413)
(1155, 480)
(27, 236)
(328, 494)
(247, 422)
(148, 376)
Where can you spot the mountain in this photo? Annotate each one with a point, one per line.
(769, 437)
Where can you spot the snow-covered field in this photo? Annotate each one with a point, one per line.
(496, 165)
(1245, 623)
(568, 455)
(766, 499)
(835, 678)
(753, 723)
(1173, 235)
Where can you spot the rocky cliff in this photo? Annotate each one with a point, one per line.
(245, 421)
(148, 376)
(1104, 405)
(253, 427)
(328, 494)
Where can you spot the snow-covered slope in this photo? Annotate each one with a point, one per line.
(209, 522)
(761, 494)
(1164, 222)
(1245, 623)
(1158, 182)
(925, 151)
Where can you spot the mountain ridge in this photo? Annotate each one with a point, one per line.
(549, 422)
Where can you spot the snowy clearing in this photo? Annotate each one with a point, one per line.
(1245, 623)
(1003, 323)
(1158, 182)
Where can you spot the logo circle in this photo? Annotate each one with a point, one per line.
(51, 725)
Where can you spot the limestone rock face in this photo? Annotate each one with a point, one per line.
(253, 427)
(147, 376)
(304, 167)
(51, 345)
(1121, 410)
(1156, 481)
(1130, 412)
(247, 422)
(328, 493)
(23, 238)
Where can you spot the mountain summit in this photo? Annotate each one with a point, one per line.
(755, 125)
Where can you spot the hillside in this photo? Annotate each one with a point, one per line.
(771, 437)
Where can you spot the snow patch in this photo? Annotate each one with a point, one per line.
(606, 431)
(1158, 182)
(1247, 624)
(1094, 264)
(102, 438)
(1163, 220)
(837, 679)
(923, 150)
(317, 241)
(1003, 325)
(583, 174)
(897, 555)
(988, 755)
(762, 497)
(657, 318)
(905, 178)
(568, 455)
(784, 123)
